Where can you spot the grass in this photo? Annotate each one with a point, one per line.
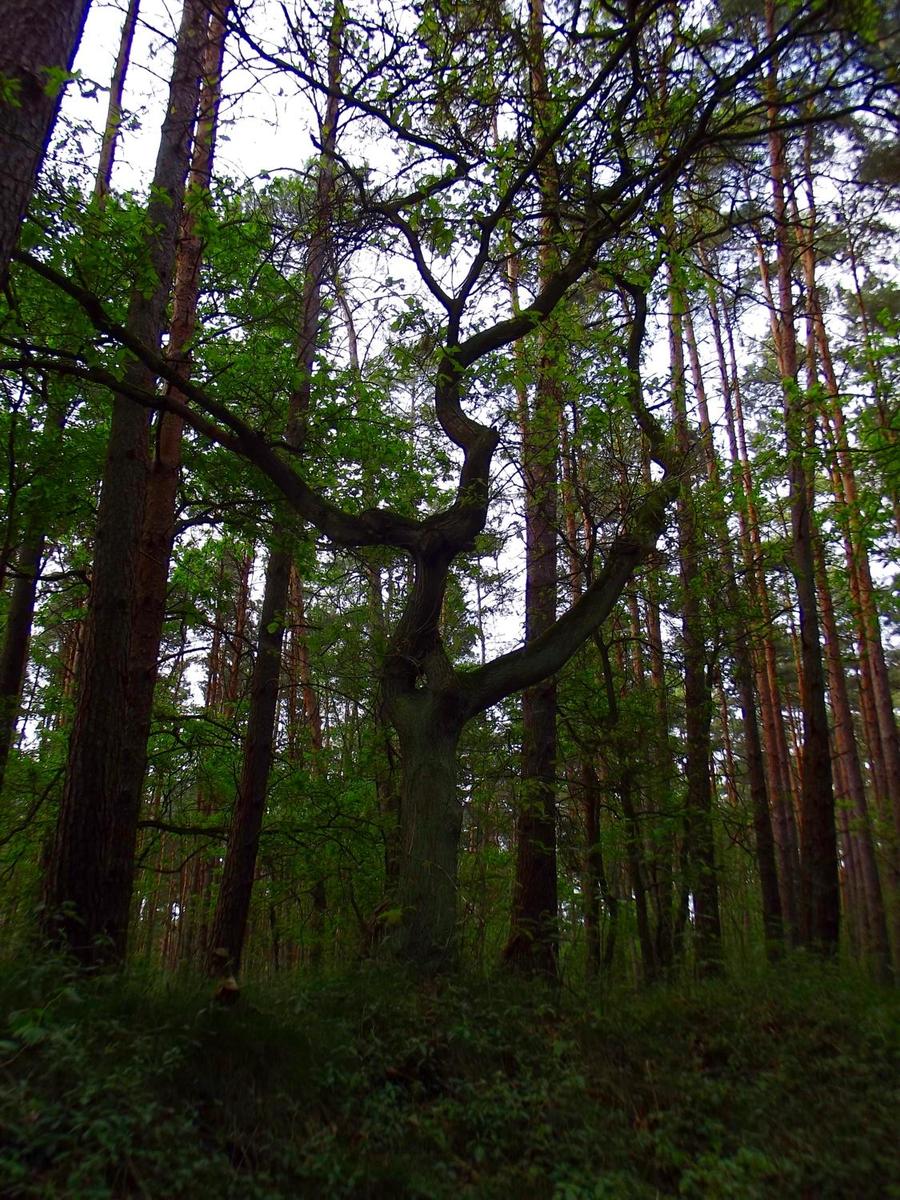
(371, 1085)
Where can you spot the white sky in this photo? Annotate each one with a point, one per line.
(255, 137)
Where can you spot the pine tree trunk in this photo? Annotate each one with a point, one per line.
(114, 108)
(161, 496)
(743, 673)
(533, 938)
(312, 716)
(596, 884)
(533, 944)
(774, 741)
(88, 886)
(37, 50)
(20, 614)
(884, 743)
(14, 654)
(196, 897)
(239, 869)
(663, 858)
(699, 834)
(818, 849)
(846, 753)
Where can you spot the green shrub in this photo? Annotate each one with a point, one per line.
(374, 1085)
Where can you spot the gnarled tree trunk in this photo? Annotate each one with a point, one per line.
(428, 727)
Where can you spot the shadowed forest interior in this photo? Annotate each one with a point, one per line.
(449, 509)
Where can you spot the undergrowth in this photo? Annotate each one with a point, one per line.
(373, 1086)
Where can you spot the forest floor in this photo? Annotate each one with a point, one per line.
(781, 1085)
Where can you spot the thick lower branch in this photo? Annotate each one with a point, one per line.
(550, 652)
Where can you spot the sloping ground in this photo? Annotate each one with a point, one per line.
(371, 1086)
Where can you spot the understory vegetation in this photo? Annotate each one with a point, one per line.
(370, 1084)
(449, 526)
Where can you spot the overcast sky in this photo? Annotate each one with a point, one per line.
(261, 132)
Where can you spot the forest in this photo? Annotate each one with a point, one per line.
(449, 511)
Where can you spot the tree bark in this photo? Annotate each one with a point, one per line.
(861, 844)
(743, 671)
(699, 833)
(428, 727)
(14, 654)
(222, 693)
(661, 862)
(163, 477)
(596, 884)
(239, 869)
(533, 944)
(114, 108)
(862, 865)
(633, 850)
(38, 48)
(774, 741)
(88, 886)
(818, 847)
(20, 615)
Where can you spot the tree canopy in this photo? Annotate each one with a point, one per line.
(563, 368)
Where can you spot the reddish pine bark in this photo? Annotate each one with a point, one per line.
(818, 836)
(14, 654)
(533, 943)
(743, 672)
(779, 777)
(88, 884)
(161, 492)
(20, 614)
(863, 866)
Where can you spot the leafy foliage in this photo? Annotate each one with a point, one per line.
(370, 1085)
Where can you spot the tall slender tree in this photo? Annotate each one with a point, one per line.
(88, 883)
(17, 633)
(113, 122)
(699, 828)
(157, 532)
(533, 940)
(818, 857)
(779, 776)
(743, 664)
(238, 872)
